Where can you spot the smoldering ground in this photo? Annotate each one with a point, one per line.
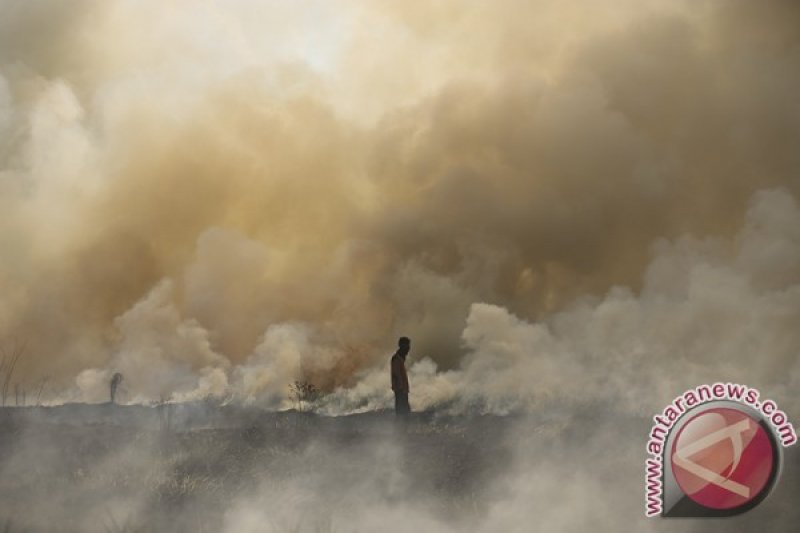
(193, 191)
(240, 470)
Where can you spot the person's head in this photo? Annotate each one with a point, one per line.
(403, 346)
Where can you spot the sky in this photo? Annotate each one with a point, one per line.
(219, 198)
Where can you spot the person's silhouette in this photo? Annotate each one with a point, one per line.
(400, 378)
(116, 379)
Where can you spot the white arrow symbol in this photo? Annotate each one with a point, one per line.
(733, 432)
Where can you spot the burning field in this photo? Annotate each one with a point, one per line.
(217, 218)
(202, 467)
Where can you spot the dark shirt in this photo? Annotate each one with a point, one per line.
(399, 376)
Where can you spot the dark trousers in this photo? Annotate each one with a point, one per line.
(401, 406)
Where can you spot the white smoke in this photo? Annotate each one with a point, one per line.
(289, 171)
(160, 355)
(708, 310)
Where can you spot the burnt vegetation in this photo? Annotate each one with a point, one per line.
(125, 470)
(9, 360)
(303, 394)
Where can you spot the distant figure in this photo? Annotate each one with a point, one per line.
(400, 378)
(116, 379)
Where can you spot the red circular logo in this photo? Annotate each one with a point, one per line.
(722, 458)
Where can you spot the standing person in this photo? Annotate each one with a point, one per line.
(400, 378)
(116, 379)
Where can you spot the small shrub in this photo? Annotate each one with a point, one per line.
(303, 393)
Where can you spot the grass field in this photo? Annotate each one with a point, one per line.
(198, 467)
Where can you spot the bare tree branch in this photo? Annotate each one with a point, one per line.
(41, 388)
(9, 364)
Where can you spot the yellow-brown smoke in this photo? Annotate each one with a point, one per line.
(197, 189)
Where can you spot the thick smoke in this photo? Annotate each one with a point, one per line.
(576, 210)
(592, 201)
(708, 310)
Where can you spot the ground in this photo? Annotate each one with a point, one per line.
(202, 467)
